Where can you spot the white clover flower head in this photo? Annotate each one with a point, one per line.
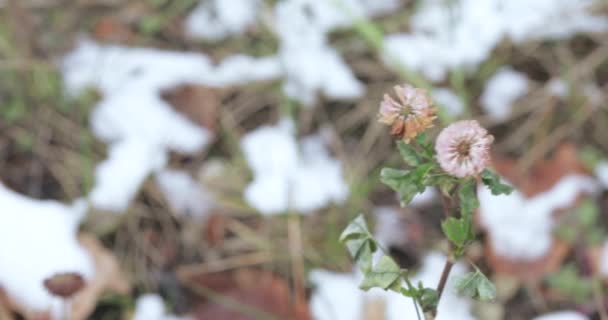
(463, 149)
(412, 114)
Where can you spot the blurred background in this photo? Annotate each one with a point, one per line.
(198, 159)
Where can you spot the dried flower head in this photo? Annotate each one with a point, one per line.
(64, 285)
(411, 115)
(463, 148)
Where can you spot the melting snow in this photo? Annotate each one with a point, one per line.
(337, 295)
(152, 307)
(521, 228)
(38, 240)
(562, 315)
(217, 19)
(309, 64)
(449, 100)
(601, 172)
(140, 127)
(455, 34)
(185, 195)
(501, 91)
(288, 175)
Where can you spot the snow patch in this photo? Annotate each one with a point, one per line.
(601, 172)
(152, 307)
(501, 92)
(139, 126)
(562, 315)
(290, 175)
(448, 35)
(337, 295)
(185, 195)
(603, 264)
(557, 87)
(218, 19)
(521, 228)
(449, 100)
(38, 240)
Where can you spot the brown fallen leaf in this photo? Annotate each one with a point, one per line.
(544, 174)
(108, 277)
(112, 29)
(541, 177)
(197, 102)
(242, 293)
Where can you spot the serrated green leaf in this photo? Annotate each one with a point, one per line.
(360, 243)
(457, 230)
(357, 228)
(406, 183)
(385, 275)
(492, 181)
(467, 195)
(475, 285)
(393, 178)
(429, 299)
(408, 153)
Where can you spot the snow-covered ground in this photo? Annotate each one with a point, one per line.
(289, 173)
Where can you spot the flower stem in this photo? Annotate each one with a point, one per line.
(447, 208)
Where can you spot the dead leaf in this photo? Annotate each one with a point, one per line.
(197, 102)
(544, 174)
(112, 29)
(528, 271)
(541, 177)
(254, 289)
(108, 277)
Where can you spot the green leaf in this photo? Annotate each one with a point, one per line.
(385, 274)
(457, 230)
(492, 181)
(467, 195)
(429, 299)
(393, 177)
(359, 242)
(587, 213)
(475, 285)
(427, 151)
(568, 281)
(406, 183)
(408, 153)
(446, 185)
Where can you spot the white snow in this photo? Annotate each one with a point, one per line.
(603, 263)
(449, 100)
(601, 173)
(152, 307)
(38, 240)
(185, 195)
(448, 35)
(139, 126)
(562, 315)
(290, 175)
(389, 228)
(557, 87)
(337, 295)
(501, 92)
(521, 228)
(309, 64)
(218, 19)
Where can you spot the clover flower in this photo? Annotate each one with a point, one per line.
(412, 114)
(463, 149)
